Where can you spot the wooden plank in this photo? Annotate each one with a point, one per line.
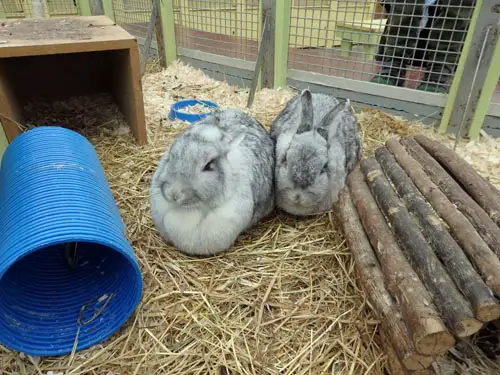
(370, 25)
(10, 108)
(127, 91)
(3, 142)
(31, 37)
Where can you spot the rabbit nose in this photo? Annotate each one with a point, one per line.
(173, 195)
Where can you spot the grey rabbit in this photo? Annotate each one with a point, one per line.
(318, 143)
(215, 182)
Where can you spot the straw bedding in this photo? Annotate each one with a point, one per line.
(283, 301)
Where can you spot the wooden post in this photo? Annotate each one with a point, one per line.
(109, 10)
(267, 45)
(478, 251)
(4, 142)
(96, 7)
(168, 27)
(453, 307)
(84, 7)
(281, 42)
(3, 14)
(372, 281)
(486, 228)
(472, 182)
(38, 7)
(487, 93)
(426, 328)
(451, 255)
(459, 73)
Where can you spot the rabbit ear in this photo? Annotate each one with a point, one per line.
(306, 119)
(323, 132)
(331, 115)
(232, 142)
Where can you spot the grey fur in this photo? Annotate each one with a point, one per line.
(317, 144)
(238, 186)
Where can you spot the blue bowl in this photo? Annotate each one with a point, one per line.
(176, 110)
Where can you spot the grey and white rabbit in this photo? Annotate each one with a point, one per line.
(318, 143)
(215, 182)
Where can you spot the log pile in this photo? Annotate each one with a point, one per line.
(424, 230)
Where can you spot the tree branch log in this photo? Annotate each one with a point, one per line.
(426, 328)
(478, 251)
(460, 269)
(486, 228)
(371, 279)
(477, 187)
(453, 307)
(394, 367)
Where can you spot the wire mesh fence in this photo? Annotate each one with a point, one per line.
(135, 16)
(411, 43)
(42, 8)
(224, 27)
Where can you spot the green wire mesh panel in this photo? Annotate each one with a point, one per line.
(224, 27)
(45, 8)
(352, 39)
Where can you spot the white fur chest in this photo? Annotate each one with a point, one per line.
(203, 233)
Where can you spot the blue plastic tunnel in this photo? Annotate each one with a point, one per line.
(53, 192)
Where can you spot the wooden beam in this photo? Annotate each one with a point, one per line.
(168, 27)
(84, 7)
(281, 42)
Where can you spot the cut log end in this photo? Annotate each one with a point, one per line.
(435, 343)
(488, 312)
(417, 361)
(467, 327)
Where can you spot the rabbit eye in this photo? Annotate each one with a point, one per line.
(210, 166)
(325, 168)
